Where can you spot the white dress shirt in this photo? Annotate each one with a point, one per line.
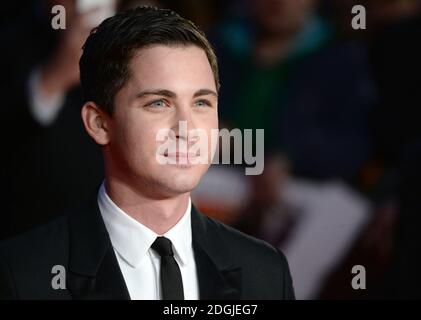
(139, 264)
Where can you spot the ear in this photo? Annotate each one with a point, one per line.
(96, 123)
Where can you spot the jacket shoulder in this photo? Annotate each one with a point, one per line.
(27, 260)
(261, 262)
(239, 241)
(36, 241)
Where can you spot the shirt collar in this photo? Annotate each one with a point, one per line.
(132, 240)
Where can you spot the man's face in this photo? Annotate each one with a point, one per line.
(167, 85)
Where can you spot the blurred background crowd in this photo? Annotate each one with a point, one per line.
(341, 185)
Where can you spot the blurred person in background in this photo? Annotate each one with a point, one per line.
(287, 73)
(286, 70)
(49, 160)
(387, 245)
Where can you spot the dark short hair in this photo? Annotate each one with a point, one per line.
(104, 65)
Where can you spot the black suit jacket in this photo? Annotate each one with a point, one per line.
(230, 264)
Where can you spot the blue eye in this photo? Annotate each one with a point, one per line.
(157, 104)
(202, 103)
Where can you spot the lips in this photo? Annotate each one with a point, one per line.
(180, 155)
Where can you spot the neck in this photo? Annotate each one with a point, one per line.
(159, 215)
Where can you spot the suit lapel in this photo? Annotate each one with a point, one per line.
(219, 278)
(94, 272)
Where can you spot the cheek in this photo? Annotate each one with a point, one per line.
(144, 141)
(212, 124)
(207, 120)
(138, 137)
(209, 125)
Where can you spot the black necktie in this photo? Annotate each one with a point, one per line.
(171, 282)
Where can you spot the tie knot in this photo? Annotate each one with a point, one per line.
(163, 246)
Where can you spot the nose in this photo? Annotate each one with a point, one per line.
(184, 124)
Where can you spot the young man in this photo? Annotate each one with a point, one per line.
(143, 71)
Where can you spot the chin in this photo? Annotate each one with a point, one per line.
(181, 180)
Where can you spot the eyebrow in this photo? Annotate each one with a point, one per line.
(205, 92)
(171, 94)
